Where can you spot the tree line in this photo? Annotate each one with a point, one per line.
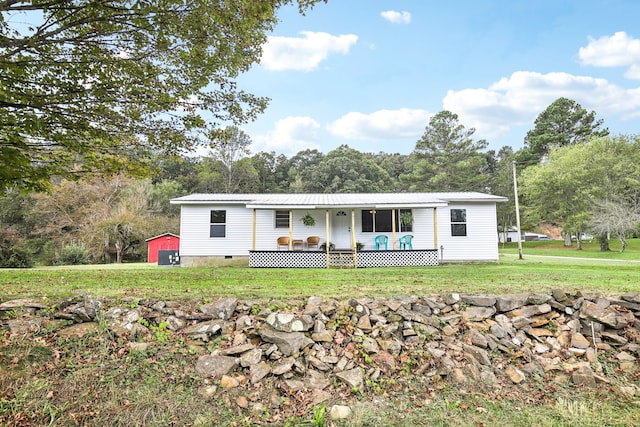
(572, 174)
(98, 101)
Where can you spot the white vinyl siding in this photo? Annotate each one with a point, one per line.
(481, 241)
(195, 222)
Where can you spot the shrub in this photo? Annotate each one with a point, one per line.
(74, 254)
(16, 258)
(12, 255)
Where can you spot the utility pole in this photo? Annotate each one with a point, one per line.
(515, 190)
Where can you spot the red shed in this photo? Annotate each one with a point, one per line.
(166, 241)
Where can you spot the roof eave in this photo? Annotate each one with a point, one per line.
(351, 206)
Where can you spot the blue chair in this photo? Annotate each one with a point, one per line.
(381, 240)
(405, 242)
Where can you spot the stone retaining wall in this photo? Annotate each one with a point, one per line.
(308, 345)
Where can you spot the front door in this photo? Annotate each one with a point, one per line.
(341, 228)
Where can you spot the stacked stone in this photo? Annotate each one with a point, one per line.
(453, 337)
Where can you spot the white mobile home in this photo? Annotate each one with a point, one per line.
(381, 229)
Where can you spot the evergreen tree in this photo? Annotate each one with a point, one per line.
(448, 159)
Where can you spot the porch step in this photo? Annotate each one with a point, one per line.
(342, 259)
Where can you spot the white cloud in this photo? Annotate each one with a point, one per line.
(517, 100)
(396, 17)
(289, 136)
(306, 53)
(633, 72)
(618, 50)
(381, 125)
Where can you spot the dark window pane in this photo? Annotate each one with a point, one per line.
(458, 229)
(380, 221)
(367, 222)
(458, 215)
(404, 227)
(282, 219)
(217, 230)
(218, 217)
(383, 221)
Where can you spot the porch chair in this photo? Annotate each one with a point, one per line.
(381, 240)
(283, 241)
(313, 241)
(405, 242)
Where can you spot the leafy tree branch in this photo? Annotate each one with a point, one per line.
(91, 79)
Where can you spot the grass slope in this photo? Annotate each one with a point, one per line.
(546, 265)
(97, 379)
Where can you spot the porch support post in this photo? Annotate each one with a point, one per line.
(326, 221)
(253, 231)
(353, 238)
(393, 229)
(435, 228)
(353, 229)
(290, 230)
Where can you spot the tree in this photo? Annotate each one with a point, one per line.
(345, 170)
(562, 123)
(247, 179)
(93, 85)
(297, 164)
(305, 158)
(559, 199)
(501, 184)
(161, 194)
(120, 227)
(107, 216)
(12, 251)
(228, 146)
(610, 217)
(15, 211)
(448, 159)
(396, 165)
(564, 189)
(179, 169)
(272, 172)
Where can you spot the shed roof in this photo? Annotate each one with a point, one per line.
(337, 200)
(161, 235)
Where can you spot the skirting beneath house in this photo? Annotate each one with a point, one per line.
(343, 259)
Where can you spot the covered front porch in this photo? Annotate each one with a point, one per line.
(342, 246)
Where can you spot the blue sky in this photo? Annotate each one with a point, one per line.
(370, 73)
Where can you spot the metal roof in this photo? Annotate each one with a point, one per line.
(336, 200)
(161, 235)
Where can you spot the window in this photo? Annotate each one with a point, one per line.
(282, 219)
(379, 221)
(382, 221)
(458, 222)
(405, 220)
(376, 220)
(218, 227)
(367, 221)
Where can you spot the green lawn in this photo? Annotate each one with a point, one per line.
(589, 250)
(50, 380)
(546, 265)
